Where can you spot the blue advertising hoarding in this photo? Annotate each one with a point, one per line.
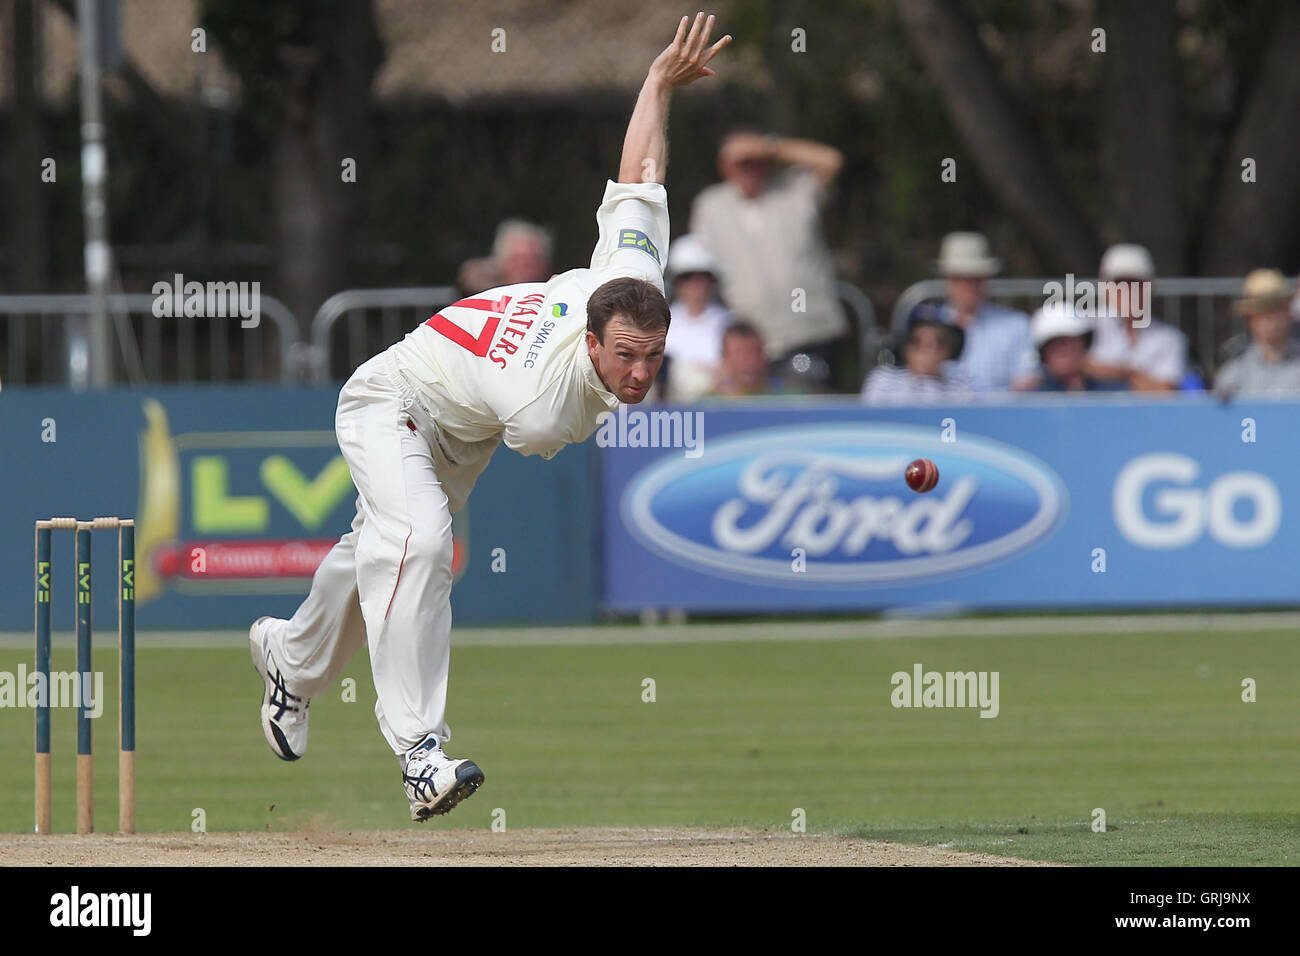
(238, 492)
(799, 507)
(1041, 503)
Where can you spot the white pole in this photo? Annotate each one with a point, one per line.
(89, 359)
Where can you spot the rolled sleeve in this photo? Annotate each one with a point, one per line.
(634, 227)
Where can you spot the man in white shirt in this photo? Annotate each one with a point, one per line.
(763, 223)
(531, 366)
(1131, 347)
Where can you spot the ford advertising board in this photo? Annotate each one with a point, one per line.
(834, 492)
(1038, 504)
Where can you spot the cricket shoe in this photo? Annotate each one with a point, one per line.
(434, 782)
(284, 715)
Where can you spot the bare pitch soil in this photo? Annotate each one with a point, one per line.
(569, 847)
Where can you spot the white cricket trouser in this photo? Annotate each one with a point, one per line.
(388, 580)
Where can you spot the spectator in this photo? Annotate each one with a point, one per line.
(744, 368)
(521, 252)
(694, 347)
(763, 223)
(1132, 347)
(1270, 365)
(926, 369)
(1235, 344)
(1063, 337)
(998, 354)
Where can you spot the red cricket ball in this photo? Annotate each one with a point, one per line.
(922, 475)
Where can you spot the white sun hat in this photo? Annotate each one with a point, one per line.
(1127, 260)
(689, 253)
(967, 255)
(1057, 320)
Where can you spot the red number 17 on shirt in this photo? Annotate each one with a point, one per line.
(478, 344)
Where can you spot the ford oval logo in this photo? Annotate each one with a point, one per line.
(837, 492)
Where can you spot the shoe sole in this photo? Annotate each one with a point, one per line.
(275, 738)
(468, 779)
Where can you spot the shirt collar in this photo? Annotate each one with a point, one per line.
(984, 312)
(1290, 352)
(592, 379)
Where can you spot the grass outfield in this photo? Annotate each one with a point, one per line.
(1149, 726)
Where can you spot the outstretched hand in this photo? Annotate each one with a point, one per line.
(685, 59)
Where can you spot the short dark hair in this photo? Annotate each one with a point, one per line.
(639, 302)
(741, 329)
(952, 336)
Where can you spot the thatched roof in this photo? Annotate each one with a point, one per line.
(433, 47)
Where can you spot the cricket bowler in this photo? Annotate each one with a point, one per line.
(532, 366)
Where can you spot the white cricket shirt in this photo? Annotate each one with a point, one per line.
(1159, 350)
(511, 363)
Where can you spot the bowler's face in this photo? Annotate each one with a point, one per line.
(629, 358)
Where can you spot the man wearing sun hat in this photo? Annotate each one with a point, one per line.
(1270, 365)
(998, 354)
(1131, 346)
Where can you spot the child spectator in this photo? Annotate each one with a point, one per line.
(1063, 338)
(744, 367)
(927, 368)
(694, 346)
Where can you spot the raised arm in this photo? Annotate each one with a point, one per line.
(824, 161)
(645, 148)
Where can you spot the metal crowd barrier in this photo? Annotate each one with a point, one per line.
(45, 342)
(398, 311)
(43, 338)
